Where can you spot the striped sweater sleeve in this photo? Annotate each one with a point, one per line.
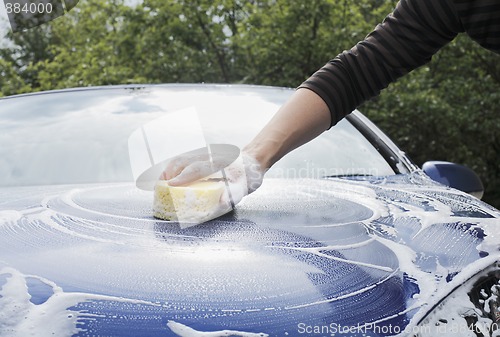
(481, 21)
(406, 39)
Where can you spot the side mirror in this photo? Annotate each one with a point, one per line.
(454, 175)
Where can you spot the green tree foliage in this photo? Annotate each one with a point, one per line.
(10, 81)
(17, 62)
(91, 48)
(446, 110)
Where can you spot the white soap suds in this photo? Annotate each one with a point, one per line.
(19, 317)
(450, 322)
(318, 252)
(68, 199)
(9, 216)
(185, 331)
(337, 298)
(433, 284)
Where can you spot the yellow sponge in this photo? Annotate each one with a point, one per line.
(195, 203)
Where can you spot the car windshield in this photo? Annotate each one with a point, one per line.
(83, 136)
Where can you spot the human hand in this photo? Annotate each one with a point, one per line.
(241, 176)
(192, 166)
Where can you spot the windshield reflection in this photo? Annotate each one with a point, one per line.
(80, 136)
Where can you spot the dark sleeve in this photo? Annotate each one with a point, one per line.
(481, 21)
(406, 39)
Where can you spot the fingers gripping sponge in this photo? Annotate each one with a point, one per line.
(194, 203)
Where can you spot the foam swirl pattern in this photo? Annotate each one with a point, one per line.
(313, 252)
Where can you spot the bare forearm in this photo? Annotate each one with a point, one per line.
(302, 118)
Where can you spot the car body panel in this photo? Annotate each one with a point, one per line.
(327, 252)
(346, 256)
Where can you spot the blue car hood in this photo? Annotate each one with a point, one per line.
(347, 257)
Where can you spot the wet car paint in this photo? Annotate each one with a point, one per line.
(304, 257)
(298, 255)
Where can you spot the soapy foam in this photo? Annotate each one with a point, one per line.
(434, 286)
(69, 199)
(431, 285)
(318, 251)
(19, 317)
(9, 216)
(459, 298)
(185, 331)
(351, 294)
